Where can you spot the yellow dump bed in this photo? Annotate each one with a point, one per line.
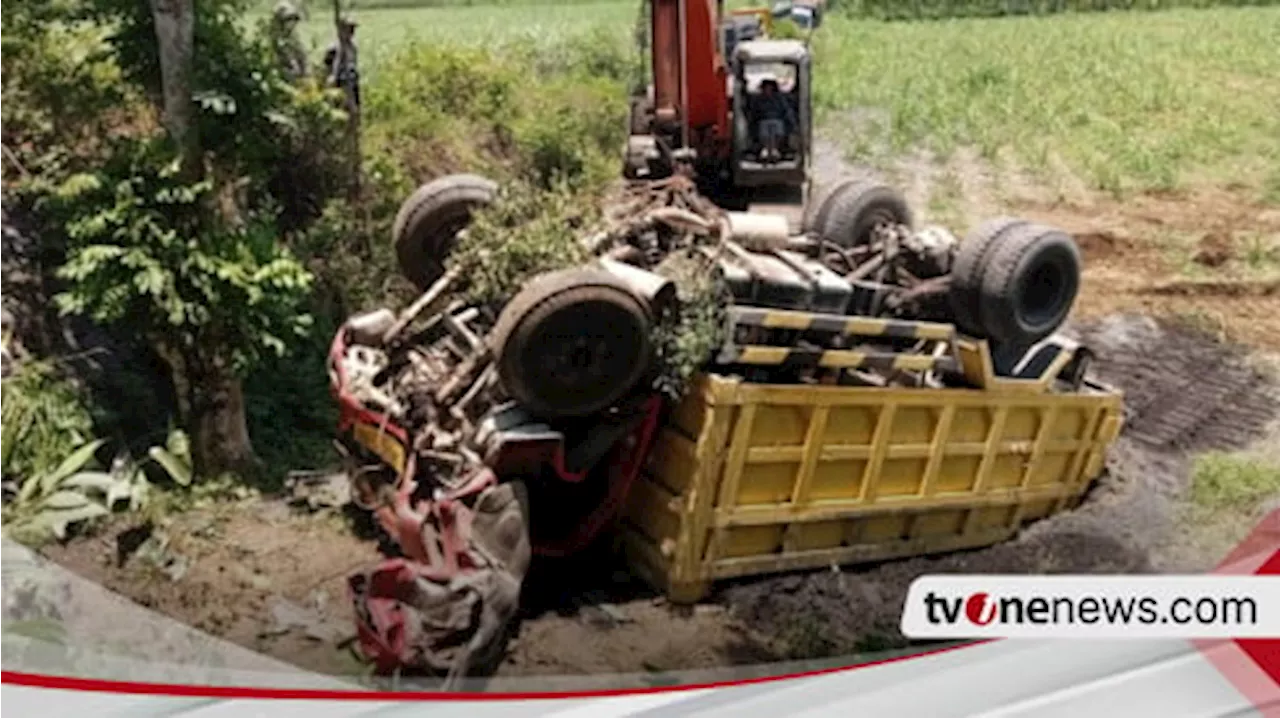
(749, 479)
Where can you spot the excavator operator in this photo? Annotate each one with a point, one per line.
(775, 119)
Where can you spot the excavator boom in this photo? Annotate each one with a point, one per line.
(690, 78)
(697, 117)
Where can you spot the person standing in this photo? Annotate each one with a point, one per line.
(342, 72)
(290, 54)
(340, 64)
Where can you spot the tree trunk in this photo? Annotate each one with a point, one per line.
(175, 22)
(211, 407)
(220, 439)
(214, 397)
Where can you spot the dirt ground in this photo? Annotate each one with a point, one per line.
(1173, 302)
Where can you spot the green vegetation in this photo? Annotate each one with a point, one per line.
(1126, 101)
(943, 9)
(224, 267)
(249, 263)
(1240, 481)
(45, 418)
(384, 31)
(521, 236)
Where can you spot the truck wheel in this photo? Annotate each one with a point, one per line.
(966, 271)
(572, 343)
(429, 221)
(1029, 284)
(819, 206)
(857, 208)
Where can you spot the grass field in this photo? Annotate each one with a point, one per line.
(1150, 100)
(382, 30)
(1120, 100)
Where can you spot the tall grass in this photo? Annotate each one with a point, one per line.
(1126, 100)
(942, 9)
(384, 31)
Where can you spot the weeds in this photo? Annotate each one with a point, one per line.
(941, 9)
(45, 418)
(687, 340)
(527, 231)
(1261, 253)
(48, 504)
(1233, 481)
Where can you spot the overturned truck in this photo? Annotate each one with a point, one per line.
(873, 391)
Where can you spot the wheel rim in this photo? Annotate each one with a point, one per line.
(877, 219)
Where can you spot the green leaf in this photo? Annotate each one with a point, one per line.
(78, 184)
(138, 492)
(99, 481)
(70, 465)
(30, 489)
(178, 469)
(62, 500)
(179, 444)
(57, 521)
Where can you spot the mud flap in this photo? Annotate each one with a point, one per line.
(452, 616)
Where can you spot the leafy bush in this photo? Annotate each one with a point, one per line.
(50, 502)
(525, 232)
(63, 97)
(687, 339)
(551, 136)
(572, 133)
(45, 418)
(236, 83)
(291, 414)
(145, 251)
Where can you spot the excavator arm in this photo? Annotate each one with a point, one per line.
(691, 107)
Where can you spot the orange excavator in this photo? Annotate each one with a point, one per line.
(717, 81)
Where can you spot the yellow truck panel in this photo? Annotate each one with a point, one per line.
(749, 479)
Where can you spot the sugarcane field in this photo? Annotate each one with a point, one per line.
(614, 343)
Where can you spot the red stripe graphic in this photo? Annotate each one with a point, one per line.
(1266, 651)
(1252, 665)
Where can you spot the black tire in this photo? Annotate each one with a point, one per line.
(966, 271)
(572, 343)
(819, 205)
(429, 221)
(857, 208)
(1029, 284)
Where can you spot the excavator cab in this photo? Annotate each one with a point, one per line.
(772, 122)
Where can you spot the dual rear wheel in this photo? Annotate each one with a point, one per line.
(1013, 282)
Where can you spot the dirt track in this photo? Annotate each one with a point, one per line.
(1187, 392)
